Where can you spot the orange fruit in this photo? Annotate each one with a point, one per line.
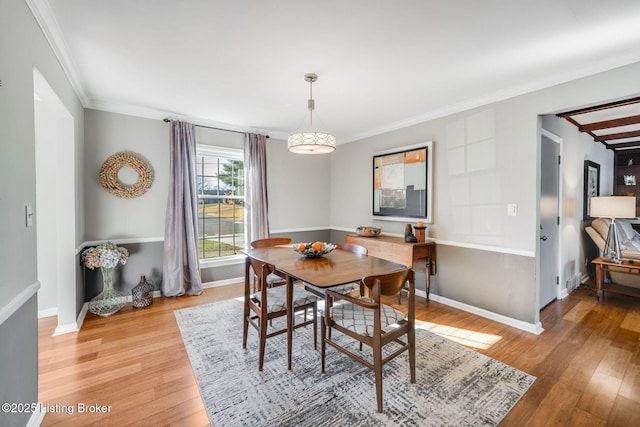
(302, 247)
(317, 246)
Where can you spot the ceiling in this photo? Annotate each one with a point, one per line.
(382, 65)
(614, 124)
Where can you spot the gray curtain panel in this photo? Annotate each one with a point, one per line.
(255, 169)
(181, 266)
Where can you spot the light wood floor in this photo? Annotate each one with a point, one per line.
(587, 362)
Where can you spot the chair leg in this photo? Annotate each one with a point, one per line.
(412, 354)
(263, 342)
(377, 369)
(323, 330)
(315, 326)
(245, 327)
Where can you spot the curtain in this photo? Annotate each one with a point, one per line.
(256, 205)
(181, 266)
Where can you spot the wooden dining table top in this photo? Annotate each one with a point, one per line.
(335, 268)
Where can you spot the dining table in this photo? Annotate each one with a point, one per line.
(336, 268)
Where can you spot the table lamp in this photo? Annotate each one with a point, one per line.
(613, 207)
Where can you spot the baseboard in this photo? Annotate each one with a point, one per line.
(534, 328)
(75, 327)
(564, 293)
(72, 327)
(36, 416)
(224, 282)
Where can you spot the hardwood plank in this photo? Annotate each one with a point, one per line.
(624, 413)
(587, 361)
(630, 387)
(631, 321)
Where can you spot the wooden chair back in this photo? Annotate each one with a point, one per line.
(351, 315)
(261, 270)
(258, 312)
(388, 284)
(357, 249)
(272, 241)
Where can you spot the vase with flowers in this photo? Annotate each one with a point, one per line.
(107, 257)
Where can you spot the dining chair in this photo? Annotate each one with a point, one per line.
(270, 303)
(373, 323)
(348, 287)
(273, 279)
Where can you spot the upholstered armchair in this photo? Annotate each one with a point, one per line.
(629, 244)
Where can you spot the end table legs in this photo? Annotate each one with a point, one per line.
(598, 281)
(428, 281)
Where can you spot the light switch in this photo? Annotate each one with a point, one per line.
(512, 209)
(29, 215)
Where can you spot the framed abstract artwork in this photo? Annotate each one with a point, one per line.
(591, 186)
(403, 183)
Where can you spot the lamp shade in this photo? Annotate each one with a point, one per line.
(613, 207)
(311, 143)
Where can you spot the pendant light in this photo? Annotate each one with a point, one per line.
(311, 142)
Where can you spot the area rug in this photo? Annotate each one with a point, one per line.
(455, 386)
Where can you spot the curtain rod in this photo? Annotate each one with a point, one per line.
(166, 120)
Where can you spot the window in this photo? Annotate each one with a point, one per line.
(220, 175)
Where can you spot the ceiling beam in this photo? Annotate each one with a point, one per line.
(600, 107)
(630, 144)
(620, 135)
(608, 124)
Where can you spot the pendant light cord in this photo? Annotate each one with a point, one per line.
(311, 103)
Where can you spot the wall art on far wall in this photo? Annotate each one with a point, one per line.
(402, 183)
(591, 186)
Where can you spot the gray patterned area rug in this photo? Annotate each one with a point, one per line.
(455, 386)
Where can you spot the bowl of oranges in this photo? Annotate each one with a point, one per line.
(314, 249)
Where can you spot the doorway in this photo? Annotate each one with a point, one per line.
(549, 243)
(55, 210)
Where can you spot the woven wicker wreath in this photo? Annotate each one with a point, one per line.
(109, 175)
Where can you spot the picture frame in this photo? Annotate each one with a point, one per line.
(403, 183)
(591, 186)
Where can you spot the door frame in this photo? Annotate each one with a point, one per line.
(561, 291)
(58, 123)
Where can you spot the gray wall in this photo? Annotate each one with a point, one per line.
(485, 158)
(19, 356)
(23, 46)
(109, 217)
(298, 196)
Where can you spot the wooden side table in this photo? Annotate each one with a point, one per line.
(628, 266)
(397, 250)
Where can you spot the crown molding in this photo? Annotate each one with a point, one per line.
(45, 18)
(151, 113)
(501, 95)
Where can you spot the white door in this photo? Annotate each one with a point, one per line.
(549, 221)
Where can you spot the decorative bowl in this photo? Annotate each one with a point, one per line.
(365, 231)
(313, 249)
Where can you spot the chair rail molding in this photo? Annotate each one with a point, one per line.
(18, 301)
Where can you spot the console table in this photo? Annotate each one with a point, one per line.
(397, 250)
(626, 267)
